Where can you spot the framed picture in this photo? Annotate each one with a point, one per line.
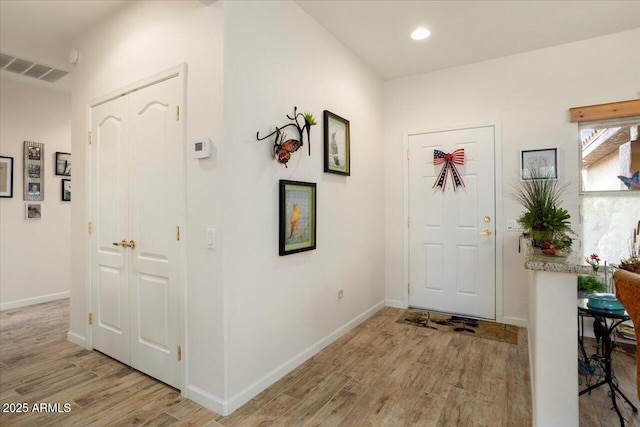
(33, 189)
(297, 217)
(33, 210)
(33, 152)
(535, 164)
(6, 176)
(33, 172)
(337, 145)
(63, 164)
(66, 190)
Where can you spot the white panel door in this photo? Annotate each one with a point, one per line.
(452, 233)
(110, 207)
(136, 197)
(155, 200)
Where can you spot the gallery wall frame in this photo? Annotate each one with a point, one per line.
(542, 163)
(63, 163)
(33, 171)
(65, 191)
(33, 211)
(6, 176)
(297, 217)
(337, 144)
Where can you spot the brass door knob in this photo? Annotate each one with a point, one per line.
(132, 244)
(486, 232)
(123, 244)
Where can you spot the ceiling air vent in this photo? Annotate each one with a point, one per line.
(30, 69)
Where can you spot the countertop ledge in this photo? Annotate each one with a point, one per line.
(537, 261)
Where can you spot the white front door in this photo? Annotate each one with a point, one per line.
(452, 253)
(136, 197)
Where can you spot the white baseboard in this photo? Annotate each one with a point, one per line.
(226, 407)
(395, 304)
(517, 321)
(77, 339)
(35, 300)
(208, 400)
(253, 390)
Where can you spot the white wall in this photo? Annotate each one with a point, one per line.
(280, 310)
(530, 95)
(35, 254)
(252, 315)
(142, 40)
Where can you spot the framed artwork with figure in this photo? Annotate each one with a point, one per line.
(337, 144)
(297, 217)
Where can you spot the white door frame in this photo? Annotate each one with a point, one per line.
(498, 201)
(178, 72)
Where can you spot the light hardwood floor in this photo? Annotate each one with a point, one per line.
(381, 373)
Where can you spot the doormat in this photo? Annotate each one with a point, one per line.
(460, 325)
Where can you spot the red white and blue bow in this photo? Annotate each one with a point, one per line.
(450, 161)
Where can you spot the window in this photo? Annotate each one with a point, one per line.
(610, 155)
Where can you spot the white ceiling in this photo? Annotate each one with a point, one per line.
(463, 32)
(43, 31)
(377, 31)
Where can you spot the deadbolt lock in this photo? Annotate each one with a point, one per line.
(487, 219)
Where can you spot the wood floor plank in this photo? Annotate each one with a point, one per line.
(380, 373)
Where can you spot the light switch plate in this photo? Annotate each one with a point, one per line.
(513, 225)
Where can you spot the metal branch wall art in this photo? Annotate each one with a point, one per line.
(283, 147)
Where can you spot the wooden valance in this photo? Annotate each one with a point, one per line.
(605, 111)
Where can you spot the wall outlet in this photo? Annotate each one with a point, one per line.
(340, 293)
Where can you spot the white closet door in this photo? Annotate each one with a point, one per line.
(155, 199)
(110, 219)
(136, 198)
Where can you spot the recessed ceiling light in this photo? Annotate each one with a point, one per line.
(420, 34)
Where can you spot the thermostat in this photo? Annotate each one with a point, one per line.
(202, 148)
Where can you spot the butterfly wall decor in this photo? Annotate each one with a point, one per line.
(283, 147)
(633, 179)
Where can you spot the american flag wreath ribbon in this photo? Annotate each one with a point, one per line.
(450, 161)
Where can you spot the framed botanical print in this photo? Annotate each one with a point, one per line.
(337, 144)
(297, 217)
(539, 164)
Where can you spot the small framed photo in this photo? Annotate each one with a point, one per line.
(33, 210)
(539, 164)
(33, 152)
(66, 190)
(337, 144)
(6, 176)
(33, 189)
(63, 164)
(297, 217)
(34, 171)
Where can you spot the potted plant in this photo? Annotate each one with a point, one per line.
(543, 219)
(590, 284)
